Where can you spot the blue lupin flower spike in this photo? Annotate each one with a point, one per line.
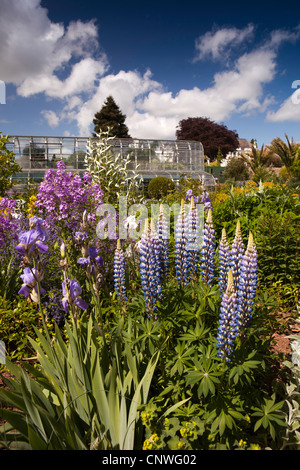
(208, 250)
(224, 260)
(247, 284)
(157, 254)
(119, 272)
(163, 237)
(228, 326)
(149, 267)
(236, 253)
(181, 252)
(193, 239)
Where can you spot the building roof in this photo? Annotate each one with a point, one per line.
(244, 143)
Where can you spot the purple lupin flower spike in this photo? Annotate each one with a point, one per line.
(193, 239)
(208, 250)
(236, 253)
(224, 260)
(228, 326)
(181, 252)
(247, 284)
(119, 272)
(149, 268)
(163, 237)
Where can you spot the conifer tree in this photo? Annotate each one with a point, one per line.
(110, 116)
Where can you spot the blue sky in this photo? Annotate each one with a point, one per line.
(163, 61)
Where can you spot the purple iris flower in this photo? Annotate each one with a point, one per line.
(29, 240)
(30, 278)
(189, 194)
(75, 296)
(80, 237)
(93, 257)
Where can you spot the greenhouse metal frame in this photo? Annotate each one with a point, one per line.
(148, 157)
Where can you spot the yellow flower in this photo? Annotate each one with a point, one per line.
(147, 445)
(242, 443)
(255, 447)
(31, 210)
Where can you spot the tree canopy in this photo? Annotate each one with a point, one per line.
(8, 166)
(111, 118)
(214, 137)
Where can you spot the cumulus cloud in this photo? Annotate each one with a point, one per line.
(239, 90)
(51, 117)
(214, 44)
(289, 110)
(34, 50)
(65, 64)
(125, 87)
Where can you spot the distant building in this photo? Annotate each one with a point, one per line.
(244, 147)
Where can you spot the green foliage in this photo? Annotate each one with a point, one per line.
(111, 172)
(160, 187)
(236, 170)
(278, 243)
(81, 395)
(272, 214)
(116, 378)
(18, 320)
(8, 166)
(9, 278)
(110, 119)
(288, 153)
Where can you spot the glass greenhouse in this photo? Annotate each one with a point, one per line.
(149, 158)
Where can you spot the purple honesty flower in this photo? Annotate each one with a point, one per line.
(31, 277)
(73, 296)
(63, 197)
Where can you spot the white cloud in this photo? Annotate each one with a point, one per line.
(278, 36)
(66, 64)
(34, 50)
(239, 90)
(288, 111)
(51, 117)
(81, 79)
(125, 87)
(218, 43)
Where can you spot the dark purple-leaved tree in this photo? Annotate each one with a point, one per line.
(213, 136)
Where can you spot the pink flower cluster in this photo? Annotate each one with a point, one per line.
(63, 197)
